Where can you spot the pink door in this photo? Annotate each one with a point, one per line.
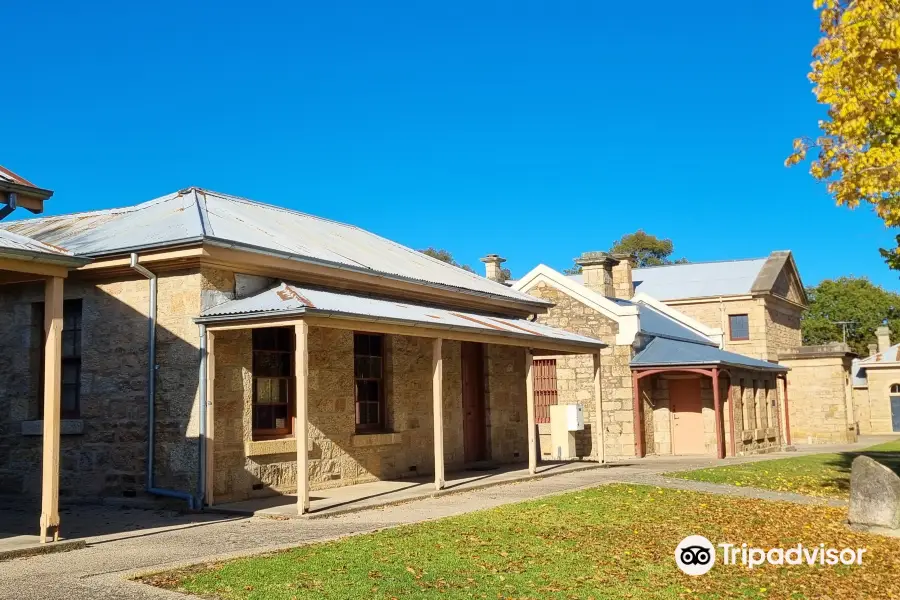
(687, 417)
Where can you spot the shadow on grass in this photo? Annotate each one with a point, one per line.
(842, 462)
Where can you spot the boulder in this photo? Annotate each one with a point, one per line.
(874, 494)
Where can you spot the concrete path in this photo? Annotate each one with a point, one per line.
(136, 541)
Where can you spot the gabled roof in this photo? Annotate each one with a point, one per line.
(288, 299)
(772, 274)
(194, 215)
(653, 317)
(665, 352)
(887, 359)
(7, 175)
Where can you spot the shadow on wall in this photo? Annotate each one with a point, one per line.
(105, 452)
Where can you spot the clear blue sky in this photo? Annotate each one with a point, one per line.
(536, 130)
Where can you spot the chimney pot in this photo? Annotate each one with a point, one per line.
(493, 270)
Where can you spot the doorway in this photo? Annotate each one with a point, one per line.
(474, 413)
(895, 413)
(687, 417)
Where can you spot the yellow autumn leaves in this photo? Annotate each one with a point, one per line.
(855, 72)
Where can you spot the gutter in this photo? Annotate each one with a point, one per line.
(151, 391)
(408, 322)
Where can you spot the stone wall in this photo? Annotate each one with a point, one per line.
(820, 402)
(879, 400)
(783, 333)
(715, 314)
(339, 456)
(574, 374)
(104, 452)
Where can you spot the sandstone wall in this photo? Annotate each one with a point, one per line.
(339, 456)
(715, 314)
(104, 452)
(819, 398)
(879, 405)
(575, 374)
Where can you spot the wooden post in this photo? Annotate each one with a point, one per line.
(437, 391)
(210, 416)
(787, 414)
(53, 324)
(600, 439)
(717, 405)
(638, 416)
(301, 422)
(529, 398)
(731, 414)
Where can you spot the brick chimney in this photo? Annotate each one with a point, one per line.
(492, 266)
(623, 283)
(883, 334)
(596, 272)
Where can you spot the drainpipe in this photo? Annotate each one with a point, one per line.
(202, 449)
(151, 389)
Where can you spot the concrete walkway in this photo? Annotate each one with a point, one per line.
(353, 498)
(123, 542)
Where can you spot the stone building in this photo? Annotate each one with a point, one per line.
(216, 349)
(821, 401)
(756, 303)
(667, 386)
(876, 386)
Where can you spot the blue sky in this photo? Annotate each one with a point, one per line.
(536, 130)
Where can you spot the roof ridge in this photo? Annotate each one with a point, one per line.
(702, 262)
(275, 207)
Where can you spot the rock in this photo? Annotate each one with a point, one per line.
(874, 494)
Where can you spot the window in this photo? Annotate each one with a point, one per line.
(71, 359)
(368, 371)
(545, 394)
(273, 352)
(895, 388)
(767, 413)
(739, 327)
(70, 390)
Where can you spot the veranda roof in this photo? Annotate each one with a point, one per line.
(286, 299)
(666, 352)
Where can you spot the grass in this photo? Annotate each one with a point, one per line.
(823, 475)
(616, 541)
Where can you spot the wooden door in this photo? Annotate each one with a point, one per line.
(474, 413)
(687, 417)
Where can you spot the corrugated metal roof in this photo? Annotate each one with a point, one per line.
(698, 280)
(18, 246)
(7, 175)
(858, 369)
(195, 214)
(657, 324)
(286, 299)
(664, 352)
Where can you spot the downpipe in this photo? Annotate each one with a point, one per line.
(202, 449)
(151, 391)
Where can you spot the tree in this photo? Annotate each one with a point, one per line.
(646, 249)
(445, 256)
(855, 73)
(849, 299)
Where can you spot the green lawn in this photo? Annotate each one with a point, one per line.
(826, 475)
(615, 541)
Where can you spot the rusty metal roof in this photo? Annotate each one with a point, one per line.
(195, 215)
(13, 245)
(7, 175)
(292, 299)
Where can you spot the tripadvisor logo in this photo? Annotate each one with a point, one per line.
(696, 555)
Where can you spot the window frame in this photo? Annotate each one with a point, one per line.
(381, 425)
(72, 308)
(892, 391)
(260, 433)
(731, 336)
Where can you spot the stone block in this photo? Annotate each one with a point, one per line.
(874, 494)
